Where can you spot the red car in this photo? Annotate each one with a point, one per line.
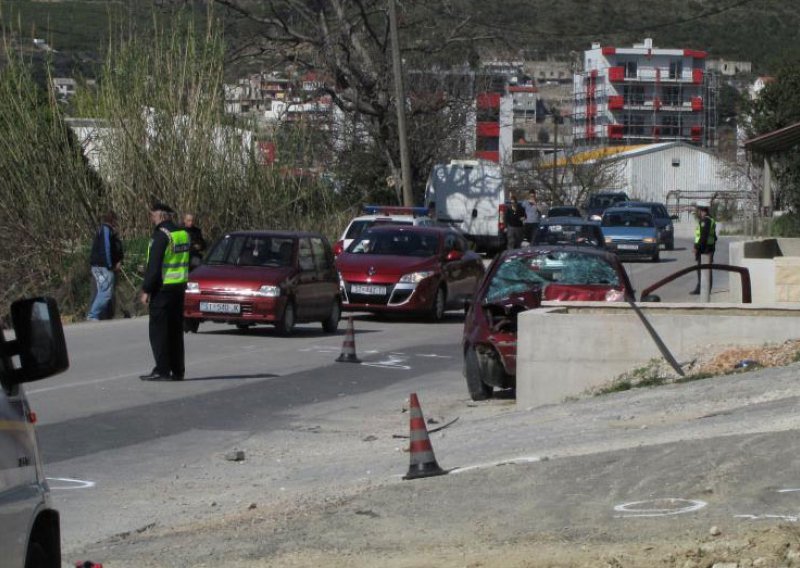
(265, 277)
(520, 280)
(422, 270)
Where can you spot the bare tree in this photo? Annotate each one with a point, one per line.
(349, 42)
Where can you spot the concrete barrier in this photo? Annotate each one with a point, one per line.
(774, 266)
(564, 350)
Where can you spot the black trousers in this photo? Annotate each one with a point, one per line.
(698, 258)
(530, 231)
(166, 331)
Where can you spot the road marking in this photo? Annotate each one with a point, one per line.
(522, 460)
(69, 484)
(790, 518)
(641, 509)
(788, 490)
(390, 363)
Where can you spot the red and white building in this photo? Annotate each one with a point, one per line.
(494, 127)
(642, 95)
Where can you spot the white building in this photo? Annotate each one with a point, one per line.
(642, 94)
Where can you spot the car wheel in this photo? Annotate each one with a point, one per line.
(190, 325)
(331, 323)
(438, 307)
(37, 556)
(286, 323)
(670, 245)
(656, 257)
(478, 390)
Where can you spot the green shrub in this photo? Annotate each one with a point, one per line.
(787, 225)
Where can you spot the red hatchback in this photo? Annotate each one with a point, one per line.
(520, 280)
(423, 270)
(265, 277)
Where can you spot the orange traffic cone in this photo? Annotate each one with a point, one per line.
(348, 354)
(423, 462)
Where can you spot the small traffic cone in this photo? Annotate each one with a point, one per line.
(348, 354)
(423, 462)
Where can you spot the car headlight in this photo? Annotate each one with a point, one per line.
(416, 277)
(192, 287)
(595, 218)
(609, 240)
(649, 240)
(269, 291)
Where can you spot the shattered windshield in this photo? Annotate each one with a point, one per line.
(522, 272)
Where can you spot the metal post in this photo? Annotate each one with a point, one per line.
(705, 279)
(405, 163)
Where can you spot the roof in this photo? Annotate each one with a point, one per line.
(622, 152)
(775, 141)
(622, 209)
(275, 233)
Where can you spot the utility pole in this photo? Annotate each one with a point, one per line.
(400, 96)
(555, 151)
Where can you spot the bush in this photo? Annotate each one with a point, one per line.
(787, 225)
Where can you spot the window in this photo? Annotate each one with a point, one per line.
(631, 68)
(675, 69)
(322, 259)
(305, 257)
(671, 95)
(633, 94)
(252, 250)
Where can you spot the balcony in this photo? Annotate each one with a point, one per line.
(616, 102)
(656, 75)
(492, 156)
(697, 104)
(487, 129)
(488, 101)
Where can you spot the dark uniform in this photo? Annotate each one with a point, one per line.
(165, 281)
(515, 217)
(705, 241)
(198, 246)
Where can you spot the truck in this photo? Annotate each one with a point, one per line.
(470, 195)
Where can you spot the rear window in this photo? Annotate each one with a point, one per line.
(605, 201)
(357, 227)
(521, 273)
(628, 219)
(568, 234)
(252, 250)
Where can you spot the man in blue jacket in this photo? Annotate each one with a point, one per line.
(105, 260)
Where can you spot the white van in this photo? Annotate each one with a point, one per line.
(30, 530)
(469, 194)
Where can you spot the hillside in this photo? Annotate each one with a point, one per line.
(761, 31)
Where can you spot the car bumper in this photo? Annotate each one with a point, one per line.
(641, 250)
(251, 309)
(399, 297)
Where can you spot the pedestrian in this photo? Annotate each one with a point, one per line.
(532, 217)
(515, 217)
(163, 289)
(705, 240)
(105, 260)
(197, 240)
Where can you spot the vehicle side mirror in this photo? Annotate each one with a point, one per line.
(454, 255)
(651, 298)
(40, 341)
(674, 217)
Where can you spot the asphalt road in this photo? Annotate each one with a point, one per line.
(119, 450)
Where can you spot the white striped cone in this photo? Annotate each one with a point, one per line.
(423, 461)
(348, 354)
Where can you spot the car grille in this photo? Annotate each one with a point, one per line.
(247, 307)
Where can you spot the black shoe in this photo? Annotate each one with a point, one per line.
(695, 292)
(175, 377)
(154, 376)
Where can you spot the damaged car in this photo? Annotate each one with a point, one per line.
(517, 281)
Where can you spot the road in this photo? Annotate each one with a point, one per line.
(126, 456)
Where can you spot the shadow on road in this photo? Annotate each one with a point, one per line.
(233, 377)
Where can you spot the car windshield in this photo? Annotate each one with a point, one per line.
(520, 273)
(564, 212)
(569, 234)
(628, 219)
(400, 243)
(252, 250)
(357, 227)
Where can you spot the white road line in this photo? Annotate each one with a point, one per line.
(513, 461)
(636, 508)
(70, 483)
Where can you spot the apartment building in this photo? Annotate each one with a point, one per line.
(642, 95)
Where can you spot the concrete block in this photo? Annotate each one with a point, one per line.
(564, 350)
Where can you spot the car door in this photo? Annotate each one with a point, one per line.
(327, 285)
(306, 302)
(454, 270)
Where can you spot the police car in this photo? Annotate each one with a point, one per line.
(382, 215)
(30, 534)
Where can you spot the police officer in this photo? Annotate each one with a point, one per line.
(705, 240)
(163, 290)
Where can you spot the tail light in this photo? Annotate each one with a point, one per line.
(338, 248)
(501, 221)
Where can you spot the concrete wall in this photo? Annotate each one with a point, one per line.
(563, 350)
(774, 266)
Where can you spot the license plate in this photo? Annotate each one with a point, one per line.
(220, 308)
(368, 290)
(628, 247)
